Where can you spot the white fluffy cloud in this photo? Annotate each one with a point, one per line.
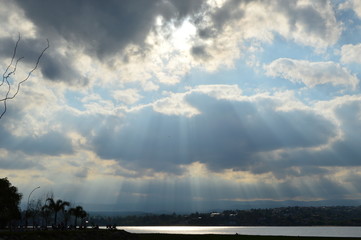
(311, 73)
(175, 105)
(128, 96)
(351, 53)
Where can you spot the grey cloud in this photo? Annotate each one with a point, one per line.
(203, 194)
(180, 9)
(18, 162)
(184, 194)
(27, 48)
(228, 12)
(103, 27)
(344, 152)
(51, 143)
(307, 15)
(53, 66)
(354, 178)
(200, 52)
(82, 173)
(205, 33)
(226, 135)
(57, 68)
(347, 150)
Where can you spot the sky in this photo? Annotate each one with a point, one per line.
(169, 105)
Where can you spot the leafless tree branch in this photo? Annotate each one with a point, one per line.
(11, 70)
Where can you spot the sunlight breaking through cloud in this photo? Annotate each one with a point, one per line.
(170, 105)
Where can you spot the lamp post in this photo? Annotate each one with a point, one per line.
(27, 207)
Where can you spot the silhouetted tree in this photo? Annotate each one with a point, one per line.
(83, 215)
(9, 202)
(56, 206)
(45, 214)
(78, 212)
(66, 216)
(34, 211)
(10, 72)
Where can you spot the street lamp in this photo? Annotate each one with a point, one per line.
(27, 207)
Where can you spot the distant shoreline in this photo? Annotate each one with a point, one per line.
(284, 216)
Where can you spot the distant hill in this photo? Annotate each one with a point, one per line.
(117, 213)
(123, 210)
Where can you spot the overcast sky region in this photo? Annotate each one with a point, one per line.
(184, 105)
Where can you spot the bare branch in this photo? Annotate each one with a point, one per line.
(5, 77)
(7, 73)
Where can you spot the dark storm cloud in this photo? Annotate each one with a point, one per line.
(58, 68)
(53, 66)
(29, 49)
(226, 135)
(103, 28)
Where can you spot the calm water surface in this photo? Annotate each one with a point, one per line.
(270, 231)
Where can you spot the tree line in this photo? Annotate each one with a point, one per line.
(284, 216)
(42, 213)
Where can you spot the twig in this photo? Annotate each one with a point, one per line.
(8, 73)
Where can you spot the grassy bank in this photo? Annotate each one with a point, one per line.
(122, 235)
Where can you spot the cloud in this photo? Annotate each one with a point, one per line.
(311, 73)
(82, 173)
(224, 135)
(352, 4)
(350, 53)
(17, 161)
(56, 67)
(219, 91)
(10, 18)
(307, 22)
(128, 96)
(111, 25)
(152, 40)
(29, 131)
(51, 143)
(175, 105)
(53, 65)
(315, 19)
(209, 192)
(341, 151)
(160, 102)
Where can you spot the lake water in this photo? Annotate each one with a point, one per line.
(269, 231)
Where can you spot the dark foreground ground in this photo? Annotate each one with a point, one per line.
(123, 235)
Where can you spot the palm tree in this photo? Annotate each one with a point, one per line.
(46, 214)
(56, 206)
(83, 215)
(78, 211)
